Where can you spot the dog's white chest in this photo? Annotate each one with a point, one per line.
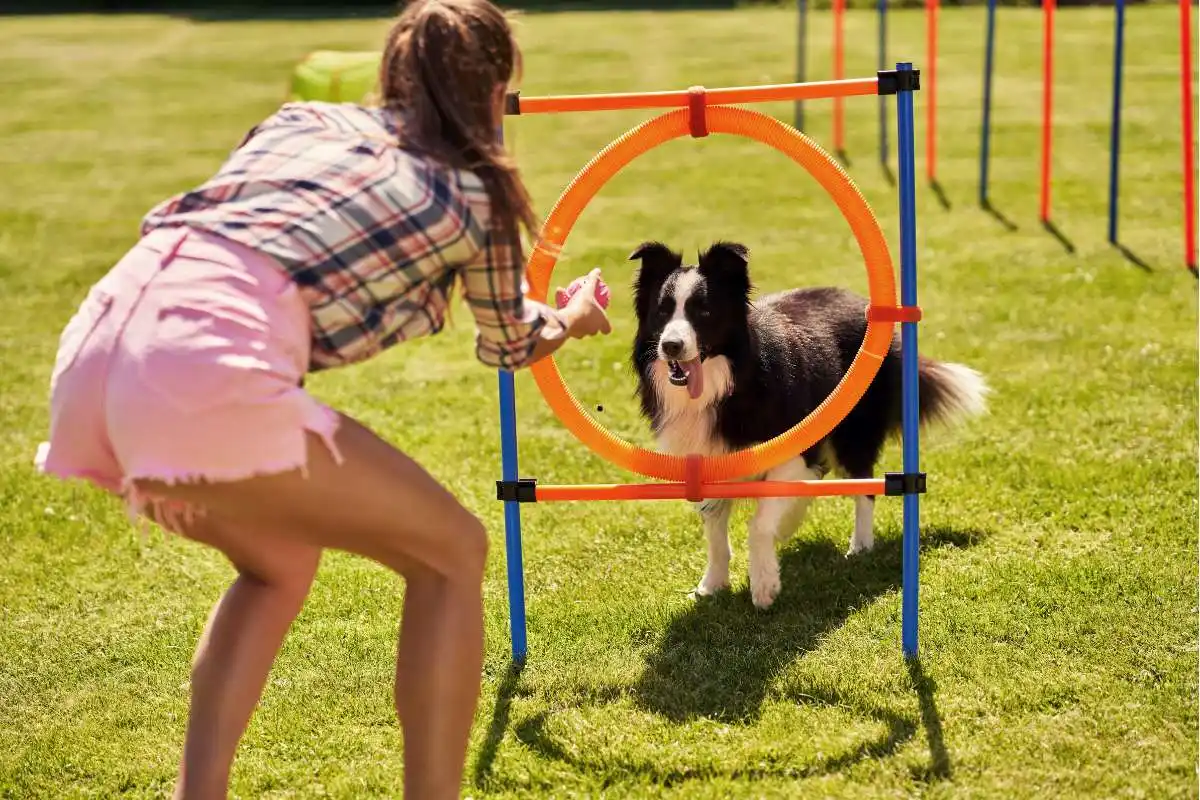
(689, 434)
(689, 426)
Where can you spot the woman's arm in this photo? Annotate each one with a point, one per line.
(514, 331)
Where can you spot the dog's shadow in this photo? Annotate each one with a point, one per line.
(719, 658)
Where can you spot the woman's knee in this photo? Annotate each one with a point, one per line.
(478, 544)
(288, 575)
(275, 564)
(286, 591)
(457, 552)
(470, 541)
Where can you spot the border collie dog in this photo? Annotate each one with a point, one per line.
(718, 372)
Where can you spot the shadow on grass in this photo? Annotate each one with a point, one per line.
(1132, 257)
(940, 193)
(615, 769)
(1057, 233)
(1008, 224)
(888, 175)
(500, 714)
(719, 657)
(939, 759)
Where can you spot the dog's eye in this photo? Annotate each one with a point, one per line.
(666, 307)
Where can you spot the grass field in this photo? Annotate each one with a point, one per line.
(1060, 544)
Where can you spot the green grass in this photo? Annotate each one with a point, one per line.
(1060, 549)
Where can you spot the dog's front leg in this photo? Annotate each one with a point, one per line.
(715, 514)
(775, 518)
(764, 562)
(863, 538)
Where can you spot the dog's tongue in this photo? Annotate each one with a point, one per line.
(695, 377)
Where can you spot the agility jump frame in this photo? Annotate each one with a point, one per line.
(697, 112)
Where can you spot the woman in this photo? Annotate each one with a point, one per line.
(331, 234)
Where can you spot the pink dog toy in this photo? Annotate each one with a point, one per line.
(563, 295)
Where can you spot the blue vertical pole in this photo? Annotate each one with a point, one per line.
(986, 133)
(905, 152)
(1114, 149)
(512, 509)
(801, 57)
(881, 7)
(512, 516)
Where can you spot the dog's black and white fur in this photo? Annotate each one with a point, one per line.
(756, 368)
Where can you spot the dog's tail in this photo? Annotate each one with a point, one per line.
(949, 393)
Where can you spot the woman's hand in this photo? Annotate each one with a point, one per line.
(583, 313)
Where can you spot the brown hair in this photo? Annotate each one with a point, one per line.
(441, 66)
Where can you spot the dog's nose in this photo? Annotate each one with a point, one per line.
(672, 348)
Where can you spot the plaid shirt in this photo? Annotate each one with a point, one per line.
(374, 236)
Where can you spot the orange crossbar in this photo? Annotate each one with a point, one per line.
(814, 90)
(716, 491)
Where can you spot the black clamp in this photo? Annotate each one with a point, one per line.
(522, 490)
(512, 104)
(896, 484)
(892, 81)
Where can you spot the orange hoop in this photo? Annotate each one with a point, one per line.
(760, 458)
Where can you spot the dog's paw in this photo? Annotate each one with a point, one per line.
(764, 590)
(764, 571)
(711, 584)
(860, 546)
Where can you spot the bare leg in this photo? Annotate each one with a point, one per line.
(715, 514)
(239, 644)
(439, 660)
(774, 519)
(381, 504)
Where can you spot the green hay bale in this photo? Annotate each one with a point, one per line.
(336, 77)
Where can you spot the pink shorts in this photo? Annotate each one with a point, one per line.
(184, 363)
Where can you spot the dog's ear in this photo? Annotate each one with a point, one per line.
(728, 265)
(658, 262)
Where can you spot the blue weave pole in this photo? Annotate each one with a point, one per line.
(509, 471)
(1114, 147)
(905, 153)
(512, 516)
(986, 133)
(881, 7)
(801, 56)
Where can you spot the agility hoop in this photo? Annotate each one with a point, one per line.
(700, 120)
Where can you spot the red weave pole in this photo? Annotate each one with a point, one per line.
(1189, 141)
(931, 21)
(839, 68)
(1047, 101)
